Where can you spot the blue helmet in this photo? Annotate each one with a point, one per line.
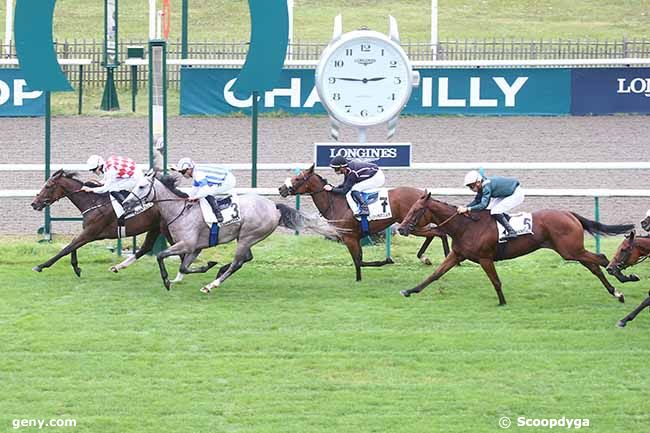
(338, 162)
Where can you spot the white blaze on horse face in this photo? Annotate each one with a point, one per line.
(288, 184)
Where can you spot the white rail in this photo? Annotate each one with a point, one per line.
(632, 165)
(75, 62)
(628, 62)
(530, 192)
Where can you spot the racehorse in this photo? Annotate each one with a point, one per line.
(99, 221)
(335, 209)
(633, 250)
(259, 217)
(474, 237)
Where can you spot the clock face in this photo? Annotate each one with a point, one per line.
(364, 80)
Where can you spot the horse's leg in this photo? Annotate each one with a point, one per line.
(424, 259)
(76, 243)
(147, 245)
(490, 270)
(175, 250)
(593, 262)
(75, 263)
(449, 262)
(243, 254)
(445, 245)
(185, 266)
(354, 246)
(645, 304)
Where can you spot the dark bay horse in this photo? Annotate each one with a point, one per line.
(634, 249)
(99, 221)
(335, 209)
(475, 238)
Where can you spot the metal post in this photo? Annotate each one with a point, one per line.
(184, 19)
(597, 218)
(434, 29)
(134, 86)
(47, 227)
(119, 247)
(254, 141)
(81, 88)
(109, 98)
(297, 208)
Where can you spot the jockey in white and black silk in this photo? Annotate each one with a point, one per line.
(359, 176)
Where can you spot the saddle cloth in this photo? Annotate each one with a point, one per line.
(522, 222)
(378, 204)
(229, 207)
(119, 210)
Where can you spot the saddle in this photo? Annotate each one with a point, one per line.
(521, 222)
(378, 204)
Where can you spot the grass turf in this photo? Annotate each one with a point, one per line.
(291, 344)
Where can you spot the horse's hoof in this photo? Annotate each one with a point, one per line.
(168, 284)
(404, 293)
(621, 298)
(621, 324)
(390, 261)
(634, 277)
(77, 271)
(37, 269)
(205, 290)
(426, 261)
(114, 269)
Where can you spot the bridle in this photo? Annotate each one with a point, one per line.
(305, 178)
(142, 200)
(625, 256)
(420, 212)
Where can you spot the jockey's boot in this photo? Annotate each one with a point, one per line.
(645, 224)
(510, 232)
(359, 200)
(215, 207)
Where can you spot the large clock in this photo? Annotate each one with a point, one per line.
(365, 78)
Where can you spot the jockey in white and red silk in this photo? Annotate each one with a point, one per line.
(118, 174)
(359, 176)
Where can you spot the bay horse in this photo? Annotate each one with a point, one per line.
(259, 217)
(335, 209)
(633, 250)
(474, 237)
(99, 221)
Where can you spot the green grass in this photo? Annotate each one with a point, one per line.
(292, 344)
(215, 20)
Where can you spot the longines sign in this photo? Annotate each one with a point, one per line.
(386, 155)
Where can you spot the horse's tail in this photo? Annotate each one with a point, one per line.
(296, 220)
(594, 227)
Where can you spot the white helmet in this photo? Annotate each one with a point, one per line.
(472, 177)
(94, 162)
(184, 164)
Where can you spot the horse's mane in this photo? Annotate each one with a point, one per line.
(171, 183)
(73, 175)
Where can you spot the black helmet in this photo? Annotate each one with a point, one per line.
(338, 162)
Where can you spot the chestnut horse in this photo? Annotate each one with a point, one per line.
(99, 221)
(475, 238)
(633, 250)
(335, 209)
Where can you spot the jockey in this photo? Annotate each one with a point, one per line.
(645, 224)
(359, 176)
(498, 194)
(119, 174)
(207, 181)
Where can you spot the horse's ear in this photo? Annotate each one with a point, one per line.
(311, 168)
(150, 173)
(631, 235)
(428, 194)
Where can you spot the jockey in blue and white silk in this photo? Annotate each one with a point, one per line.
(208, 180)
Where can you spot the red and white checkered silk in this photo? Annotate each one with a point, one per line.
(125, 167)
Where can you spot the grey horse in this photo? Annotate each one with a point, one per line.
(259, 217)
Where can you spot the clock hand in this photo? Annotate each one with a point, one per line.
(374, 79)
(349, 79)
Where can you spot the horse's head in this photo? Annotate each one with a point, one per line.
(305, 182)
(628, 253)
(414, 214)
(142, 192)
(56, 187)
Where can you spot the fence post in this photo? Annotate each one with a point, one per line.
(597, 218)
